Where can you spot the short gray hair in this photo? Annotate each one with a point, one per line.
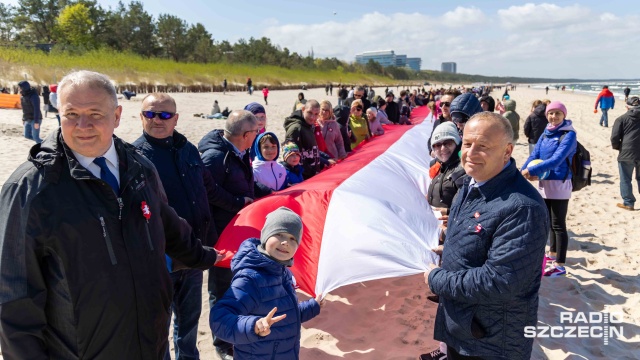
(237, 121)
(91, 79)
(311, 104)
(496, 119)
(360, 88)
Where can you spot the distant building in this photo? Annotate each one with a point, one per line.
(414, 63)
(384, 58)
(389, 58)
(449, 67)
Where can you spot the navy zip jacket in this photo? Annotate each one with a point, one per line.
(259, 284)
(491, 268)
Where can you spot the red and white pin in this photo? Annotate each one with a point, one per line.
(146, 212)
(478, 228)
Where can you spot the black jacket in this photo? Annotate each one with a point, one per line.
(301, 133)
(232, 173)
(625, 136)
(445, 185)
(393, 112)
(30, 101)
(535, 124)
(82, 272)
(197, 183)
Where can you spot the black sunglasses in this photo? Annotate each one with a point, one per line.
(359, 108)
(443, 104)
(162, 115)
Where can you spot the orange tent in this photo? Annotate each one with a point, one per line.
(10, 101)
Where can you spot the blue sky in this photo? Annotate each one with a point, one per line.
(559, 39)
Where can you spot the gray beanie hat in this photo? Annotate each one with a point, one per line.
(445, 131)
(281, 220)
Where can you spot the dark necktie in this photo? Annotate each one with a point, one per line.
(106, 174)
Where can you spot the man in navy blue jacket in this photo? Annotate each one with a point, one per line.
(188, 185)
(491, 264)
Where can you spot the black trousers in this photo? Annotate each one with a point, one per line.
(558, 237)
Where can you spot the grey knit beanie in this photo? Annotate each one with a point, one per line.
(281, 220)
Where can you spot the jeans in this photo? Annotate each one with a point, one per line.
(531, 147)
(186, 308)
(626, 189)
(30, 131)
(219, 283)
(558, 236)
(604, 119)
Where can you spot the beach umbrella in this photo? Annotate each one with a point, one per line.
(366, 218)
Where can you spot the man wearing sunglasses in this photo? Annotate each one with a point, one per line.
(187, 184)
(359, 93)
(445, 106)
(225, 154)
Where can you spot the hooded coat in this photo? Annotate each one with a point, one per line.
(83, 271)
(535, 123)
(467, 104)
(513, 117)
(605, 99)
(625, 136)
(259, 284)
(445, 185)
(30, 101)
(302, 133)
(268, 172)
(554, 152)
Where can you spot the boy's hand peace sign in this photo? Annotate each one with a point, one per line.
(263, 325)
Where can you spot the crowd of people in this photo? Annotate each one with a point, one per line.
(165, 192)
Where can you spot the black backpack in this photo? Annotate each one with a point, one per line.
(580, 167)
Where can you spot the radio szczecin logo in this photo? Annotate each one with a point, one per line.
(603, 325)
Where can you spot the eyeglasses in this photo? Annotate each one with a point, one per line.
(442, 144)
(250, 131)
(162, 115)
(358, 108)
(443, 104)
(357, 95)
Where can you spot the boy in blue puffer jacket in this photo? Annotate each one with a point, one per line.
(260, 314)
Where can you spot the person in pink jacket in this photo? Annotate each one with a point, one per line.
(265, 93)
(331, 131)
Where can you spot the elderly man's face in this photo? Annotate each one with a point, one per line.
(157, 127)
(88, 117)
(311, 115)
(485, 149)
(358, 94)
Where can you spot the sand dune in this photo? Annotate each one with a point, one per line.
(391, 318)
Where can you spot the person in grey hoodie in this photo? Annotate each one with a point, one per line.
(513, 117)
(31, 114)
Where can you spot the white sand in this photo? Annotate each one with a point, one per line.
(391, 319)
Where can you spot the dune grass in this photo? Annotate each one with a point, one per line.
(125, 68)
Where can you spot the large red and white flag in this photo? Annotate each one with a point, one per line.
(366, 218)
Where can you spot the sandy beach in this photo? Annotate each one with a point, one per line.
(391, 318)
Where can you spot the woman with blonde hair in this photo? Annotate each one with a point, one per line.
(330, 130)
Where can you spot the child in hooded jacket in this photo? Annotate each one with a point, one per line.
(260, 313)
(266, 170)
(291, 156)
